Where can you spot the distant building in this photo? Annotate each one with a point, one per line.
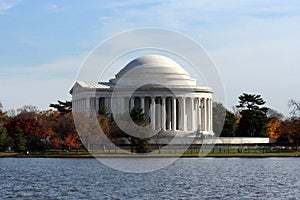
(166, 93)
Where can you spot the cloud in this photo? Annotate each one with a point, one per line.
(255, 43)
(5, 5)
(38, 85)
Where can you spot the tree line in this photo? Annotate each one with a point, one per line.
(252, 119)
(33, 130)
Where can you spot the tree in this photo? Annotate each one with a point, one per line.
(224, 121)
(253, 116)
(104, 112)
(290, 132)
(295, 106)
(28, 125)
(230, 125)
(62, 107)
(28, 111)
(3, 139)
(3, 115)
(274, 130)
(71, 141)
(138, 144)
(19, 141)
(274, 115)
(24, 133)
(138, 116)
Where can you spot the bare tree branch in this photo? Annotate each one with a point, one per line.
(295, 106)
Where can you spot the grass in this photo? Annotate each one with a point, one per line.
(163, 153)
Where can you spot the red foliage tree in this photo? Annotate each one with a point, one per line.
(29, 126)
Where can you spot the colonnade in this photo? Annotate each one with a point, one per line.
(176, 113)
(166, 112)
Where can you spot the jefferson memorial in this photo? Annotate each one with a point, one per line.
(166, 93)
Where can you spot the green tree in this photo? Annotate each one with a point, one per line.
(3, 115)
(218, 117)
(253, 116)
(62, 107)
(3, 139)
(138, 144)
(230, 125)
(103, 112)
(138, 116)
(224, 121)
(19, 141)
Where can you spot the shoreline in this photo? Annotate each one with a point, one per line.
(210, 155)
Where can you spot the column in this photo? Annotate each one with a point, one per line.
(174, 113)
(143, 104)
(169, 114)
(199, 113)
(192, 115)
(97, 104)
(163, 113)
(205, 114)
(211, 115)
(183, 114)
(131, 103)
(153, 113)
(88, 103)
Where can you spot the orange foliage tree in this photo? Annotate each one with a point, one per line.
(274, 130)
(71, 141)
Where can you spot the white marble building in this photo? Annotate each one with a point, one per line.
(169, 97)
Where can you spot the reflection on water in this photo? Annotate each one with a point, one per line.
(189, 178)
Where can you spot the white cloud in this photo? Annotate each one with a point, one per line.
(7, 4)
(255, 44)
(38, 85)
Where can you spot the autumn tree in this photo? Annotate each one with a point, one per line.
(28, 125)
(253, 116)
(290, 132)
(274, 125)
(274, 129)
(24, 133)
(290, 128)
(71, 141)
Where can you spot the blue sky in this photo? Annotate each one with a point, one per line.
(254, 43)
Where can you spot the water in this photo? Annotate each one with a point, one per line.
(189, 178)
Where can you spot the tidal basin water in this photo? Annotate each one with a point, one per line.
(187, 178)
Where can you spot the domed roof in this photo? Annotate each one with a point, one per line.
(154, 69)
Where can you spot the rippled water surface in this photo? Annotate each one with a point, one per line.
(190, 178)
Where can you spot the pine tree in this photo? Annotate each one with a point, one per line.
(254, 120)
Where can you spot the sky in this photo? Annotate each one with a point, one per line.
(253, 43)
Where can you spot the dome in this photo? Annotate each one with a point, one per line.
(155, 69)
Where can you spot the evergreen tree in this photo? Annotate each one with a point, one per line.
(230, 125)
(19, 141)
(3, 139)
(62, 107)
(139, 144)
(253, 116)
(224, 121)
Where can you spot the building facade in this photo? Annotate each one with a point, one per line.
(166, 93)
